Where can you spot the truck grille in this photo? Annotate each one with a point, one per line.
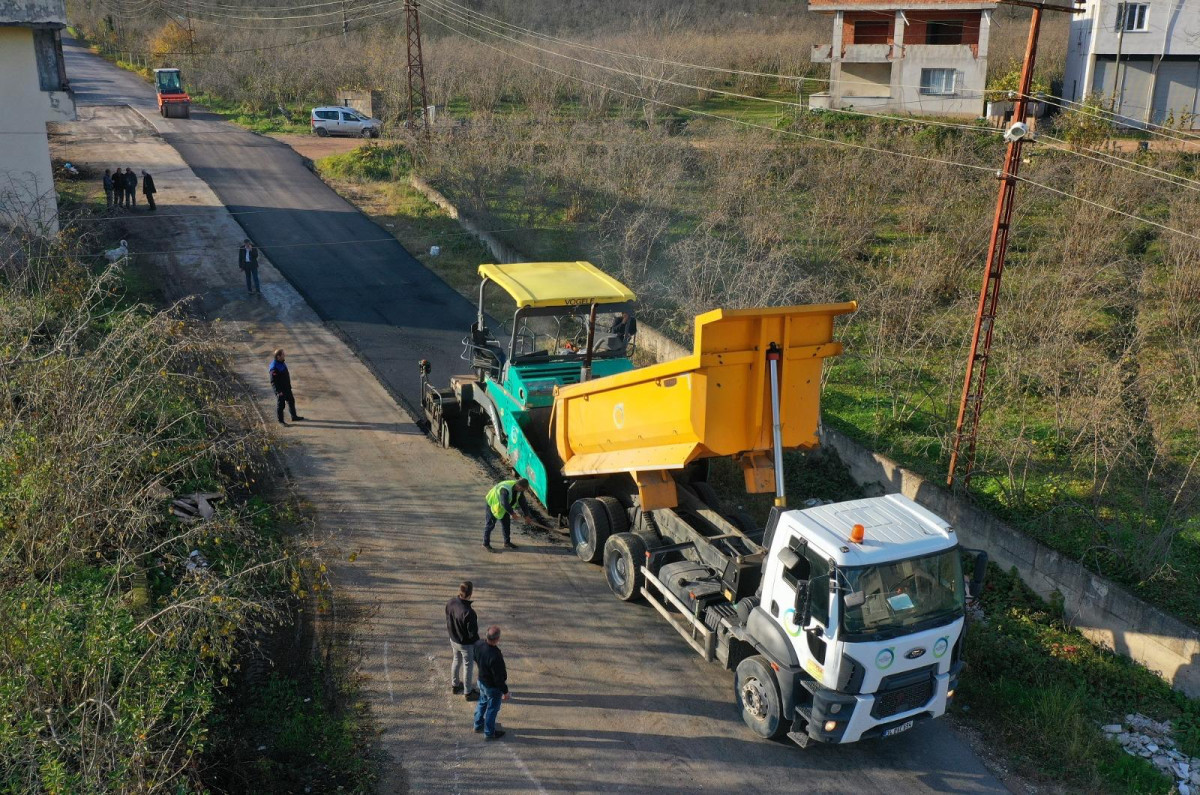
(904, 698)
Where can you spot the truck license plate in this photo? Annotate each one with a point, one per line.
(903, 727)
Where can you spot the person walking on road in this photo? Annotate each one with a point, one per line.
(281, 382)
(130, 188)
(148, 189)
(506, 498)
(108, 188)
(463, 627)
(248, 262)
(493, 684)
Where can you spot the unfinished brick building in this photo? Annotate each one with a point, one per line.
(926, 57)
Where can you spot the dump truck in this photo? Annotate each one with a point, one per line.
(173, 101)
(840, 621)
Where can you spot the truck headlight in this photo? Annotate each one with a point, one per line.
(835, 708)
(950, 693)
(830, 725)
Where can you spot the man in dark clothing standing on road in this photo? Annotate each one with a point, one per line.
(248, 262)
(118, 181)
(281, 382)
(108, 188)
(130, 187)
(148, 189)
(505, 498)
(493, 684)
(463, 626)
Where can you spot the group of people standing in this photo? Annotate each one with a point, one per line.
(120, 188)
(469, 651)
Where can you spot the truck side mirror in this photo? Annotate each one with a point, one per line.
(803, 604)
(975, 586)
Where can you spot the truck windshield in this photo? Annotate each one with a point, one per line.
(895, 598)
(168, 83)
(564, 336)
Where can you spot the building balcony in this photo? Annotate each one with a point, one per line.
(853, 53)
(948, 53)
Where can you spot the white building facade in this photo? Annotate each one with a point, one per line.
(1142, 59)
(33, 86)
(926, 57)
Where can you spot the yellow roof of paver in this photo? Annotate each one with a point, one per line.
(539, 284)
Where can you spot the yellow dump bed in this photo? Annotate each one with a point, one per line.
(714, 402)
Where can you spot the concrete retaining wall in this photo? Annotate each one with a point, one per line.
(1104, 612)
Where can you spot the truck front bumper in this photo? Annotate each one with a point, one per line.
(849, 716)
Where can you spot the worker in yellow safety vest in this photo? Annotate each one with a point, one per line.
(506, 498)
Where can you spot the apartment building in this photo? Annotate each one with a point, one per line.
(926, 57)
(1140, 58)
(33, 85)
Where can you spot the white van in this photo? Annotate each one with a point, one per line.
(339, 120)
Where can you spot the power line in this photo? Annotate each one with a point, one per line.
(1142, 169)
(440, 5)
(706, 114)
(266, 48)
(682, 64)
(667, 81)
(1113, 116)
(794, 133)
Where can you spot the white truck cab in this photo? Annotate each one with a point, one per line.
(870, 596)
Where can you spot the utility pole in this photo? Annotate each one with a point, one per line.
(191, 30)
(345, 27)
(970, 407)
(418, 99)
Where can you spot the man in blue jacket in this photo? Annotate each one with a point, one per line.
(281, 382)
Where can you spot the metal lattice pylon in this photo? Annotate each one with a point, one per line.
(418, 99)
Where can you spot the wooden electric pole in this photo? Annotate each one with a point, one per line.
(418, 99)
(970, 407)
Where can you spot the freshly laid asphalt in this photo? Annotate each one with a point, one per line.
(607, 697)
(390, 308)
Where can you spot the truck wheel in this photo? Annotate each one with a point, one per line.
(589, 529)
(707, 495)
(757, 695)
(444, 435)
(162, 111)
(624, 556)
(618, 519)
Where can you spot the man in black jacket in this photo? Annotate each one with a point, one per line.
(463, 627)
(248, 262)
(281, 382)
(493, 684)
(148, 189)
(131, 182)
(118, 179)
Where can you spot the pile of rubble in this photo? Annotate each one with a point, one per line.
(1149, 739)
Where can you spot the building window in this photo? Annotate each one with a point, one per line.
(1134, 16)
(873, 32)
(944, 32)
(938, 82)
